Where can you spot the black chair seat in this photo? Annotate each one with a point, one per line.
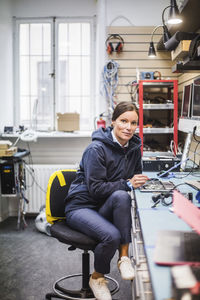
(71, 237)
(57, 190)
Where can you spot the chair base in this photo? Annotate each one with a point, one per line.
(82, 294)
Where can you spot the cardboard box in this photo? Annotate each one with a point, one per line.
(5, 144)
(68, 121)
(8, 152)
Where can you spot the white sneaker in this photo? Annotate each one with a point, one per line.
(125, 268)
(99, 288)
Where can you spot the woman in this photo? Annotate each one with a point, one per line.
(98, 203)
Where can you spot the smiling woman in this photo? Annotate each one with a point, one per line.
(98, 203)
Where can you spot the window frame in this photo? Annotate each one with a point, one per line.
(54, 21)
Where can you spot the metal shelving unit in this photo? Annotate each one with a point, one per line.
(141, 286)
(160, 106)
(172, 94)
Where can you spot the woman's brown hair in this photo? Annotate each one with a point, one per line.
(122, 107)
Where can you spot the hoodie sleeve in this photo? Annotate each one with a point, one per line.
(96, 175)
(138, 166)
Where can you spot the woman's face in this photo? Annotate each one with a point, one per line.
(124, 126)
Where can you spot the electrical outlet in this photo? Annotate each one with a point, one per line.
(197, 132)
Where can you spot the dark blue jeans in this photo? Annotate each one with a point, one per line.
(110, 226)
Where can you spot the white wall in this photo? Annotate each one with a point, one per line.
(6, 116)
(136, 12)
(6, 96)
(41, 8)
(140, 13)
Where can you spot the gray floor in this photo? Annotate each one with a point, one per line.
(31, 261)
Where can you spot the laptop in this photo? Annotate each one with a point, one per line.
(175, 247)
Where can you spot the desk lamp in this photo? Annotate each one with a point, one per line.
(152, 51)
(174, 18)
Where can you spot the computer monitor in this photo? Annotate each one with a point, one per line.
(195, 110)
(186, 101)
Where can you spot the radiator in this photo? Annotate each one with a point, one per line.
(36, 184)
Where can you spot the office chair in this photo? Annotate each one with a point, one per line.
(57, 189)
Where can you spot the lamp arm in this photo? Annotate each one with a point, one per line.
(154, 31)
(163, 21)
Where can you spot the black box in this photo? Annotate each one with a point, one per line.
(12, 176)
(157, 163)
(8, 180)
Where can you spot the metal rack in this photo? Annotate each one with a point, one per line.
(141, 286)
(172, 87)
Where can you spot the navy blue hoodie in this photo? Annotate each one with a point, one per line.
(104, 169)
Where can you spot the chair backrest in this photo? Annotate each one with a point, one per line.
(57, 189)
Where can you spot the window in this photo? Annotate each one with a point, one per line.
(53, 71)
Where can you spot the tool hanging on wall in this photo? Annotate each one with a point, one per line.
(132, 88)
(116, 38)
(110, 82)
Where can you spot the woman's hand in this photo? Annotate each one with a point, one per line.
(138, 180)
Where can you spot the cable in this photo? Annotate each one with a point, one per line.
(17, 140)
(172, 168)
(194, 135)
(33, 177)
(132, 92)
(31, 171)
(110, 82)
(192, 168)
(121, 17)
(195, 153)
(162, 196)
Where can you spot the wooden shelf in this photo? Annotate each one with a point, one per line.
(190, 17)
(181, 51)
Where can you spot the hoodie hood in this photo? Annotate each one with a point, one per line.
(104, 135)
(104, 168)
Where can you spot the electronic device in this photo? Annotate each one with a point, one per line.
(8, 129)
(12, 176)
(156, 185)
(8, 183)
(160, 163)
(186, 101)
(175, 247)
(147, 75)
(195, 110)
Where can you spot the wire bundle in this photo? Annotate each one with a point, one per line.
(110, 82)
